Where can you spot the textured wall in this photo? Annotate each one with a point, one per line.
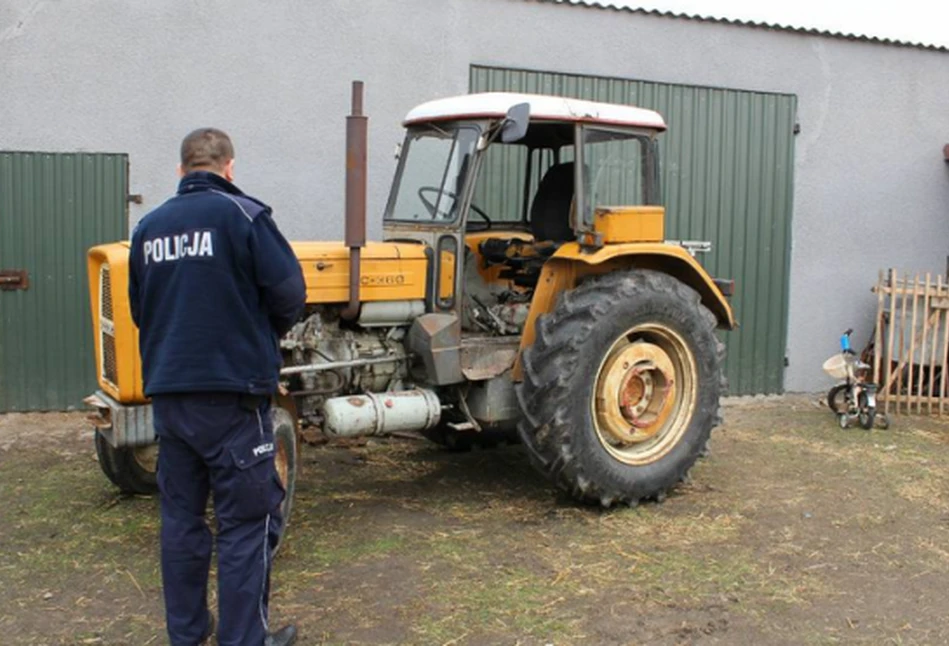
(871, 189)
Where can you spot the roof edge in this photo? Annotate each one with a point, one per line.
(596, 4)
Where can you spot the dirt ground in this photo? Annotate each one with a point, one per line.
(792, 532)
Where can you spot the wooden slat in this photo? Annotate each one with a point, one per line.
(878, 331)
(937, 316)
(942, 359)
(922, 346)
(888, 388)
(911, 375)
(901, 361)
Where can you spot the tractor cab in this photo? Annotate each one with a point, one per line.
(510, 180)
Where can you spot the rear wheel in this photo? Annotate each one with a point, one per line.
(132, 469)
(621, 387)
(837, 398)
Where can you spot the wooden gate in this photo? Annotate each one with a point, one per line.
(911, 337)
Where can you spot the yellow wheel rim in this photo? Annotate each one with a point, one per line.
(644, 394)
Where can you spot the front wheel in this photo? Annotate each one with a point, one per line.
(867, 412)
(285, 461)
(133, 469)
(621, 387)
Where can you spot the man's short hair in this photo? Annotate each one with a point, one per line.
(206, 148)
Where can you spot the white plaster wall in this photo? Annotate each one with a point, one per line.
(871, 189)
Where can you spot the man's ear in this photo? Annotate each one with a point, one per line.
(229, 171)
(181, 171)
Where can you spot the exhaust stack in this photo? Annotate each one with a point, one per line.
(356, 153)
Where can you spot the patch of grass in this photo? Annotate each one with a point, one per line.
(77, 552)
(330, 554)
(906, 458)
(64, 519)
(500, 601)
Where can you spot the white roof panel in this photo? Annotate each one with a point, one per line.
(910, 23)
(543, 107)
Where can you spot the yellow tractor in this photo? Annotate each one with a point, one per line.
(524, 289)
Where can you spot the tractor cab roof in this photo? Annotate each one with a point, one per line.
(494, 105)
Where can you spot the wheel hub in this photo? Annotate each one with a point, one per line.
(635, 394)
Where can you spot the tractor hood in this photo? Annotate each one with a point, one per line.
(390, 271)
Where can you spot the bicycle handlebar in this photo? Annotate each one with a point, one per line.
(845, 341)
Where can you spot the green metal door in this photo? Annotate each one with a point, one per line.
(727, 177)
(53, 207)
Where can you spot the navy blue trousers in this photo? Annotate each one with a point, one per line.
(209, 442)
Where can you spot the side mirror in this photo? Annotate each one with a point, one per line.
(516, 122)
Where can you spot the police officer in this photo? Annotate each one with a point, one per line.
(213, 285)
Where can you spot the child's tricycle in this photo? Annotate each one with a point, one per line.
(855, 398)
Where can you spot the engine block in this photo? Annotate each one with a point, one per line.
(321, 337)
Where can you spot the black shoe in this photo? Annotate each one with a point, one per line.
(286, 636)
(209, 633)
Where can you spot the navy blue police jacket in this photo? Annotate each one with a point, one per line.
(213, 285)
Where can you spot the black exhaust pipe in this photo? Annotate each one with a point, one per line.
(356, 153)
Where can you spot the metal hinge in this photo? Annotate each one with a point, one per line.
(12, 279)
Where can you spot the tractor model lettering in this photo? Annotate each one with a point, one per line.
(382, 281)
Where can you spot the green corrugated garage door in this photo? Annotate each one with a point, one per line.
(53, 207)
(727, 177)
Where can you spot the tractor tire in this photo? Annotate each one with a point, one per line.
(105, 456)
(132, 469)
(285, 462)
(867, 413)
(621, 387)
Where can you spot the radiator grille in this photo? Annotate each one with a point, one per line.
(106, 291)
(108, 358)
(106, 327)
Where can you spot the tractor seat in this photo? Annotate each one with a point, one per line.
(521, 260)
(550, 226)
(550, 210)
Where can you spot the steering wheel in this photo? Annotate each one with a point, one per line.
(432, 208)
